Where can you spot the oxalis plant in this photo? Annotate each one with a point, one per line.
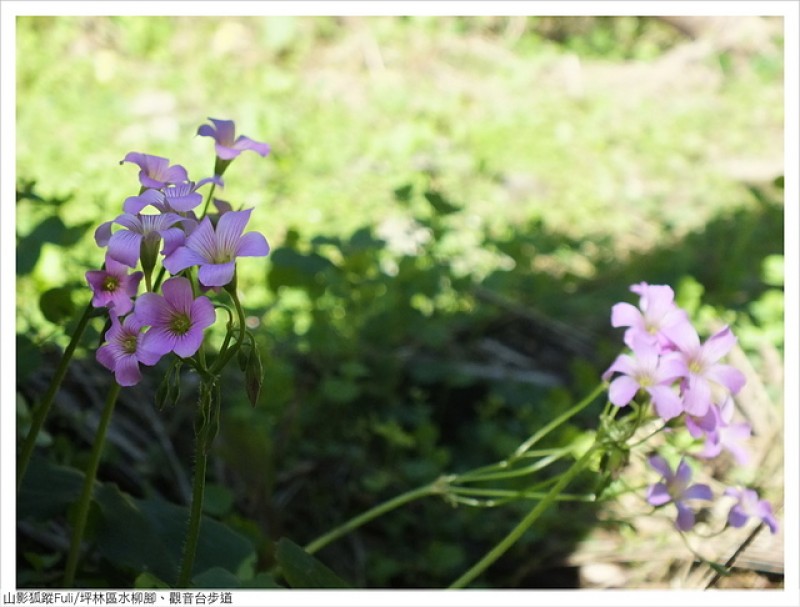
(170, 274)
(188, 263)
(666, 382)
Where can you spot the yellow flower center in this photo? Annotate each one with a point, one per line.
(110, 284)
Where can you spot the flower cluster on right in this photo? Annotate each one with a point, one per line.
(683, 377)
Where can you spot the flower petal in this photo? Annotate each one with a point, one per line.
(666, 402)
(105, 356)
(622, 390)
(229, 229)
(225, 131)
(625, 315)
(125, 247)
(216, 274)
(622, 364)
(156, 342)
(682, 476)
(173, 238)
(135, 204)
(245, 143)
(699, 491)
(225, 152)
(737, 517)
(684, 336)
(152, 310)
(103, 233)
(188, 343)
(658, 495)
(697, 396)
(178, 294)
(660, 464)
(718, 345)
(127, 372)
(728, 376)
(203, 240)
(181, 258)
(685, 520)
(252, 244)
(203, 314)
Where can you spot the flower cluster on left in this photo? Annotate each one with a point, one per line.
(181, 254)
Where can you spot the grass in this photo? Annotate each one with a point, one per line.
(511, 127)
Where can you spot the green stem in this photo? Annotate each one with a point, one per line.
(558, 421)
(198, 491)
(88, 486)
(522, 494)
(40, 414)
(474, 477)
(220, 363)
(208, 199)
(432, 489)
(516, 533)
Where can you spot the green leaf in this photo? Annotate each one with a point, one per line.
(262, 580)
(47, 490)
(126, 537)
(340, 390)
(440, 204)
(148, 580)
(216, 577)
(290, 268)
(302, 570)
(218, 500)
(403, 193)
(218, 545)
(57, 305)
(148, 536)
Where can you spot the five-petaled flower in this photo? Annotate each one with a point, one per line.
(656, 312)
(647, 371)
(215, 249)
(748, 505)
(126, 245)
(675, 488)
(113, 286)
(156, 171)
(176, 319)
(123, 350)
(177, 198)
(728, 436)
(227, 145)
(706, 381)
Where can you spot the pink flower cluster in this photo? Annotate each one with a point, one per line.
(147, 327)
(682, 376)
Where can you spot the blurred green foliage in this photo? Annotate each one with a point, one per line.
(450, 224)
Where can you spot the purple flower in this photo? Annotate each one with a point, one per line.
(179, 198)
(675, 488)
(657, 311)
(125, 245)
(215, 249)
(113, 286)
(228, 146)
(123, 350)
(703, 374)
(176, 318)
(728, 436)
(155, 171)
(748, 505)
(647, 371)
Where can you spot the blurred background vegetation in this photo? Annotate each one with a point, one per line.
(453, 205)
